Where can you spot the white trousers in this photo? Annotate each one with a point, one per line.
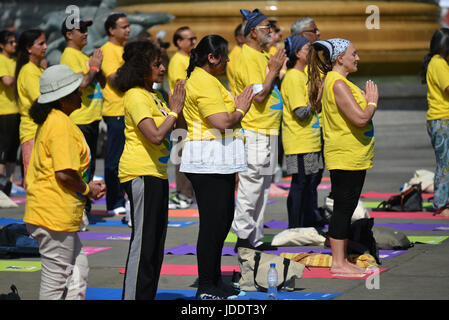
(65, 268)
(254, 186)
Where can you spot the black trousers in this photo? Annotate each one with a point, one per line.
(148, 198)
(215, 195)
(90, 132)
(346, 189)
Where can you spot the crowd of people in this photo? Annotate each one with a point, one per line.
(286, 96)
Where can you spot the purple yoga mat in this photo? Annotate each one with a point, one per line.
(279, 224)
(186, 249)
(104, 236)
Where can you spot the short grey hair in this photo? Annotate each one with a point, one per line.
(300, 25)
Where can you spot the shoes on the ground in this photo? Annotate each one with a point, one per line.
(213, 293)
(117, 211)
(229, 289)
(266, 247)
(179, 201)
(126, 221)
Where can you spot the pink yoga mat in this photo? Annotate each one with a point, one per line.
(192, 270)
(93, 250)
(386, 195)
(404, 215)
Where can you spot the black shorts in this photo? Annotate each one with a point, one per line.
(9, 137)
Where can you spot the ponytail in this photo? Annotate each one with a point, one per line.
(318, 63)
(193, 62)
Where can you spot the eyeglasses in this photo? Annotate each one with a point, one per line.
(191, 39)
(312, 30)
(268, 26)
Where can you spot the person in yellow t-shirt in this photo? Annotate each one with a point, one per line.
(348, 131)
(9, 111)
(261, 127)
(88, 117)
(58, 186)
(118, 28)
(213, 153)
(239, 41)
(184, 40)
(435, 72)
(300, 123)
(31, 50)
(143, 163)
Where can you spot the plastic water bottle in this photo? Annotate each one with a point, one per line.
(272, 279)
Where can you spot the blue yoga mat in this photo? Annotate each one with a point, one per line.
(116, 294)
(107, 223)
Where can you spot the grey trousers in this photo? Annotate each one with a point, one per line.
(65, 268)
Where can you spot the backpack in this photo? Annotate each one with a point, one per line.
(406, 201)
(16, 241)
(13, 295)
(391, 239)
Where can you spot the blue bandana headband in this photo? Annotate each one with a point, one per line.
(294, 43)
(252, 19)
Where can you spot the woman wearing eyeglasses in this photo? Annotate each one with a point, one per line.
(9, 110)
(301, 138)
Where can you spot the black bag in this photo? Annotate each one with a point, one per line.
(361, 238)
(406, 201)
(15, 241)
(13, 295)
(5, 185)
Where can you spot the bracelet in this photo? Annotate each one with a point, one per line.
(87, 190)
(95, 69)
(240, 110)
(372, 104)
(174, 114)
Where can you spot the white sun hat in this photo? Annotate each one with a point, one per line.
(57, 82)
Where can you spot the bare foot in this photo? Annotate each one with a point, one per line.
(346, 267)
(444, 213)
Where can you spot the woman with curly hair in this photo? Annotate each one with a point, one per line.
(143, 164)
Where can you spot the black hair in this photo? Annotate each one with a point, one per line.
(292, 58)
(5, 35)
(177, 35)
(26, 40)
(39, 111)
(111, 21)
(138, 57)
(238, 30)
(439, 44)
(214, 44)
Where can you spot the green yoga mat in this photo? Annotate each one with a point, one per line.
(232, 237)
(20, 266)
(427, 239)
(374, 204)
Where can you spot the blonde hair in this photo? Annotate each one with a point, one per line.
(318, 63)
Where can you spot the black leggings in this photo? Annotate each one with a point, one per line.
(346, 189)
(215, 198)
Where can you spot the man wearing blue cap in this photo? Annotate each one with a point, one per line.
(261, 128)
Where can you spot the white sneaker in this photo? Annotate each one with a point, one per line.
(117, 211)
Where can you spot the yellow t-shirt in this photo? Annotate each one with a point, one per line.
(8, 104)
(141, 157)
(92, 98)
(177, 69)
(230, 67)
(251, 67)
(298, 136)
(28, 89)
(346, 147)
(113, 98)
(59, 145)
(437, 81)
(205, 96)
